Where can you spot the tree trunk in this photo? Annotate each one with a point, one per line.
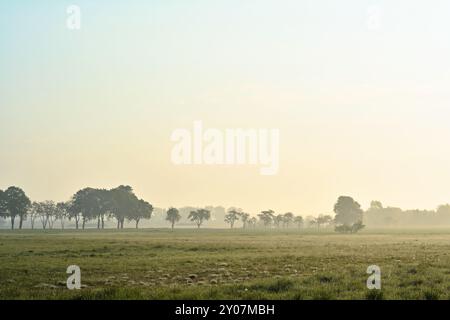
(20, 222)
(173, 224)
(12, 222)
(98, 222)
(84, 223)
(103, 223)
(137, 223)
(121, 223)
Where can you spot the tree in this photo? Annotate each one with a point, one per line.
(3, 209)
(104, 205)
(288, 218)
(61, 212)
(266, 217)
(349, 215)
(299, 221)
(74, 211)
(232, 216)
(278, 219)
(252, 222)
(84, 203)
(245, 219)
(443, 214)
(124, 204)
(199, 215)
(15, 203)
(357, 226)
(143, 210)
(322, 220)
(343, 228)
(348, 212)
(46, 211)
(33, 213)
(173, 215)
(376, 205)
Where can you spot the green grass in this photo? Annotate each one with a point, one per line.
(224, 264)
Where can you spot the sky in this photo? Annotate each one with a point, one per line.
(359, 91)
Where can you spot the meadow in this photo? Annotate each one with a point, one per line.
(224, 264)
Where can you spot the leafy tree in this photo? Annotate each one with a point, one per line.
(343, 228)
(15, 203)
(33, 213)
(376, 205)
(46, 211)
(266, 217)
(173, 215)
(348, 212)
(86, 204)
(124, 204)
(298, 220)
(104, 206)
(232, 216)
(252, 222)
(288, 218)
(245, 219)
(322, 220)
(278, 219)
(199, 215)
(3, 209)
(74, 211)
(357, 226)
(61, 212)
(143, 210)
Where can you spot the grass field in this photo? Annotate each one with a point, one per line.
(224, 264)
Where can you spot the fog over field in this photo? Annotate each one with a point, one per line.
(238, 149)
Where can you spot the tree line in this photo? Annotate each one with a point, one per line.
(90, 204)
(86, 205)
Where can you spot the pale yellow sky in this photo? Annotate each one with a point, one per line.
(361, 112)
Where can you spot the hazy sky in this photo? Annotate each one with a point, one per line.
(360, 91)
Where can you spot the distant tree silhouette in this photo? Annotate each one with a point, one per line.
(199, 215)
(266, 217)
(33, 213)
(232, 216)
(348, 213)
(252, 222)
(173, 215)
(288, 218)
(14, 203)
(124, 202)
(74, 211)
(278, 220)
(62, 213)
(298, 220)
(245, 219)
(322, 220)
(3, 209)
(47, 213)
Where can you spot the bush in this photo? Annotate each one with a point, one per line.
(344, 228)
